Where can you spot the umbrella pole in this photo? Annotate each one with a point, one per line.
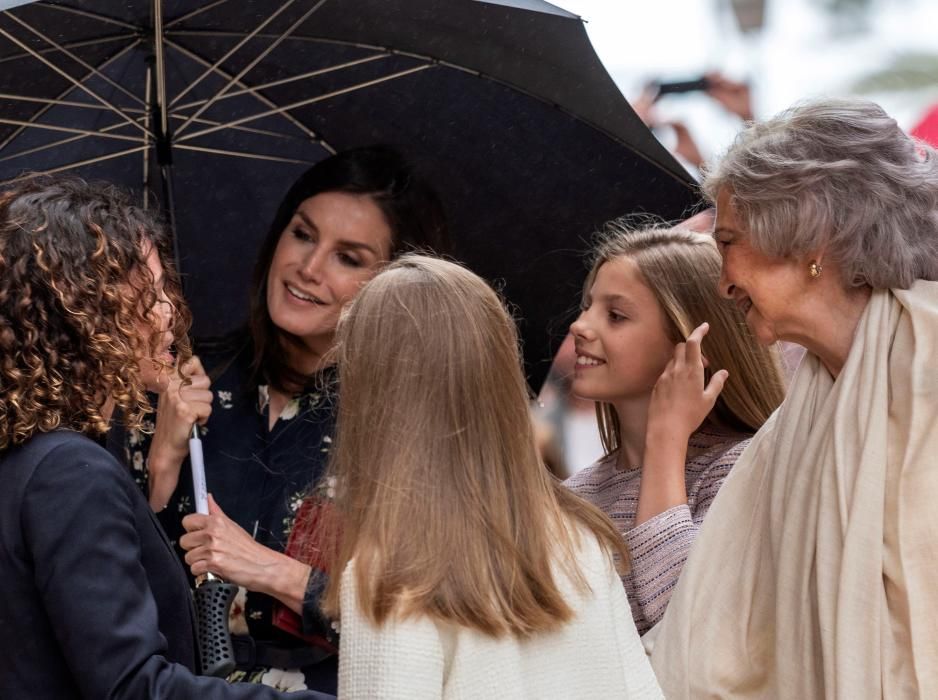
(159, 115)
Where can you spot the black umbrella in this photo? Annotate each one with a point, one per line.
(213, 107)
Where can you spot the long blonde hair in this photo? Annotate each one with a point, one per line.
(441, 496)
(682, 268)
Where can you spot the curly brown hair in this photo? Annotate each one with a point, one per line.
(75, 290)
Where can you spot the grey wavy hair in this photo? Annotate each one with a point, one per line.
(837, 175)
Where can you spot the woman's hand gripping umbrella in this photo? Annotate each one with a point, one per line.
(213, 597)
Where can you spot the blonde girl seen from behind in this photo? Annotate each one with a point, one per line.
(676, 400)
(468, 572)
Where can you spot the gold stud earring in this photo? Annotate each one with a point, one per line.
(815, 269)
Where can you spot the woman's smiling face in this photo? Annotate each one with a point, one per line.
(769, 291)
(334, 243)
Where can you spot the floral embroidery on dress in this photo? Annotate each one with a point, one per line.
(237, 622)
(138, 461)
(255, 676)
(294, 503)
(291, 409)
(225, 399)
(285, 680)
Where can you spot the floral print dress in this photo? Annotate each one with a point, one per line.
(259, 476)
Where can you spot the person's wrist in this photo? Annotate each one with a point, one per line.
(162, 485)
(664, 430)
(665, 444)
(161, 461)
(287, 581)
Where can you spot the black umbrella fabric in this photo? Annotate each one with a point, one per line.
(213, 107)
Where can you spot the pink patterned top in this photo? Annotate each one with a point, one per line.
(659, 546)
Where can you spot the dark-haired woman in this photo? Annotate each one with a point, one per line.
(93, 604)
(271, 405)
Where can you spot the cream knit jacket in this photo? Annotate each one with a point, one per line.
(597, 655)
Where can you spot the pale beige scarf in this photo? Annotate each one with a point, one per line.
(815, 574)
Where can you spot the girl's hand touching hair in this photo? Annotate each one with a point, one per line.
(181, 405)
(680, 402)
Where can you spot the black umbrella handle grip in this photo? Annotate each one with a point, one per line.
(213, 599)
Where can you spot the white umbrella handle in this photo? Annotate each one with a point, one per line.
(197, 460)
(199, 487)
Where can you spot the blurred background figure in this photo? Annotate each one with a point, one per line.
(734, 96)
(927, 128)
(565, 425)
(783, 50)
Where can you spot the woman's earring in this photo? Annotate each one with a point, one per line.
(815, 269)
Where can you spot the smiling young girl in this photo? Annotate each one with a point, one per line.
(671, 436)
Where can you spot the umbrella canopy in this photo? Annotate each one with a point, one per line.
(213, 107)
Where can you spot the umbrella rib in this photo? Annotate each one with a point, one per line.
(242, 154)
(72, 45)
(159, 72)
(308, 40)
(72, 80)
(44, 147)
(309, 101)
(78, 164)
(70, 130)
(70, 139)
(39, 149)
(245, 129)
(195, 13)
(144, 115)
(264, 100)
(283, 81)
(92, 15)
(148, 129)
(52, 102)
(230, 53)
(37, 115)
(83, 64)
(260, 57)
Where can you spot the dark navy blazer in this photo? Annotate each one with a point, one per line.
(93, 601)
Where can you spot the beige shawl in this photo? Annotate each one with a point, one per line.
(816, 572)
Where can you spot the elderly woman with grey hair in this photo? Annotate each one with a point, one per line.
(815, 575)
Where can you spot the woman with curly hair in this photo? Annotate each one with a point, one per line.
(93, 603)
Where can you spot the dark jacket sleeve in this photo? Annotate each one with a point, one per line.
(78, 522)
